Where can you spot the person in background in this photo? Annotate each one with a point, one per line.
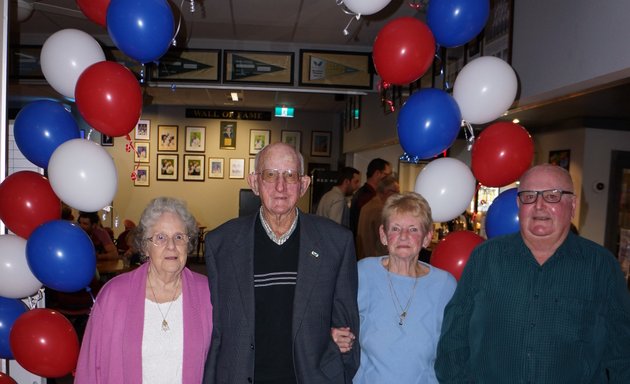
(153, 324)
(370, 220)
(281, 279)
(103, 244)
(542, 305)
(122, 242)
(334, 204)
(377, 169)
(401, 300)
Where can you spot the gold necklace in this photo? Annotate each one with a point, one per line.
(165, 326)
(403, 311)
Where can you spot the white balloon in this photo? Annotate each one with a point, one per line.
(484, 89)
(448, 185)
(365, 7)
(65, 55)
(16, 279)
(83, 175)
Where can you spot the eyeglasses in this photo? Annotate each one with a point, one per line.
(161, 239)
(549, 195)
(271, 175)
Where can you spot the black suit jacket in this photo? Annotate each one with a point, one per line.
(325, 297)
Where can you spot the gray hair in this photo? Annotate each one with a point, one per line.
(152, 213)
(264, 150)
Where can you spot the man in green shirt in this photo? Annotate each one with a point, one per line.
(540, 306)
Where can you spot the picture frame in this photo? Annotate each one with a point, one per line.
(258, 139)
(561, 158)
(142, 131)
(237, 169)
(195, 139)
(107, 141)
(141, 153)
(336, 69)
(252, 165)
(321, 143)
(24, 62)
(142, 176)
(167, 166)
(258, 67)
(189, 65)
(293, 138)
(194, 168)
(167, 138)
(227, 135)
(215, 168)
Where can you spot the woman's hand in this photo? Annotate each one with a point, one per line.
(343, 337)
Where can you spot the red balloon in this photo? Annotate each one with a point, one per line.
(26, 201)
(403, 50)
(109, 98)
(6, 379)
(501, 154)
(44, 343)
(452, 253)
(95, 10)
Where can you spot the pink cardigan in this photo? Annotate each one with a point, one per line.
(111, 351)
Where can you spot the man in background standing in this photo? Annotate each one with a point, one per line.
(333, 204)
(377, 170)
(368, 237)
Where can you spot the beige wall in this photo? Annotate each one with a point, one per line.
(212, 201)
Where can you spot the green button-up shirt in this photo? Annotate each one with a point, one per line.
(512, 320)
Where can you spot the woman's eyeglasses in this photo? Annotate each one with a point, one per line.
(161, 239)
(549, 195)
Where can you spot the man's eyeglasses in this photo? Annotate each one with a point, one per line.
(549, 195)
(271, 175)
(161, 239)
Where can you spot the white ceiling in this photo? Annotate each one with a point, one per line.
(292, 23)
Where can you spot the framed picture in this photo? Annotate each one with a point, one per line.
(194, 167)
(561, 158)
(258, 139)
(142, 130)
(24, 62)
(167, 138)
(107, 141)
(167, 167)
(141, 155)
(237, 168)
(320, 144)
(196, 139)
(252, 165)
(189, 65)
(293, 138)
(258, 67)
(335, 69)
(227, 140)
(215, 168)
(142, 176)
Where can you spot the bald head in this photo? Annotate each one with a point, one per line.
(560, 175)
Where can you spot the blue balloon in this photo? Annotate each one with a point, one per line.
(428, 123)
(10, 310)
(40, 127)
(142, 29)
(456, 22)
(61, 255)
(502, 217)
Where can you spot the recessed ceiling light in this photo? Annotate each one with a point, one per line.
(516, 121)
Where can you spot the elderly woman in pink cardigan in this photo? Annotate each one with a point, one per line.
(152, 324)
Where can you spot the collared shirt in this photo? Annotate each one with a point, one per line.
(334, 206)
(512, 320)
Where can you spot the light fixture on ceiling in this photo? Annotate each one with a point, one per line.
(234, 96)
(516, 121)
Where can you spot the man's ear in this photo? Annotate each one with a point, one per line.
(305, 181)
(252, 180)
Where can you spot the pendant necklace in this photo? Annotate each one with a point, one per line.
(165, 326)
(397, 305)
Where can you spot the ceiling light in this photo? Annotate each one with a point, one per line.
(234, 96)
(516, 121)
